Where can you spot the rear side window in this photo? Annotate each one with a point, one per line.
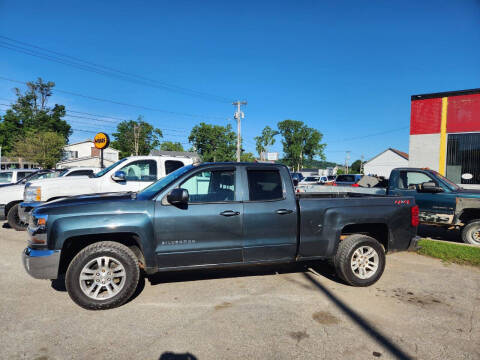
(172, 165)
(141, 170)
(264, 185)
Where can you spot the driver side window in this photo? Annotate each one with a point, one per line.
(211, 186)
(141, 170)
(410, 179)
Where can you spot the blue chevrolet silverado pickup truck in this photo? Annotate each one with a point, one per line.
(211, 215)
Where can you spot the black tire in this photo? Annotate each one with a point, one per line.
(119, 254)
(14, 220)
(346, 251)
(471, 233)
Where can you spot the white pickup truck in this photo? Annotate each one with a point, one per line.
(128, 174)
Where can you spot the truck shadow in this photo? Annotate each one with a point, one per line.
(439, 233)
(366, 326)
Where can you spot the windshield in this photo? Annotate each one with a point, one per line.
(5, 177)
(150, 191)
(451, 185)
(107, 169)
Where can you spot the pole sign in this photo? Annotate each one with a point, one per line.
(101, 141)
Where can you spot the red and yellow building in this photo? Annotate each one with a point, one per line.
(445, 134)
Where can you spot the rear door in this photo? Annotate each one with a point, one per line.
(270, 215)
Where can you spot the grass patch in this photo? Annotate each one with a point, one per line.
(450, 252)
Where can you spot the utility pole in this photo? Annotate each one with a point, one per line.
(239, 115)
(361, 164)
(347, 158)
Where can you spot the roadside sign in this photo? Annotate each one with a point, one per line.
(101, 141)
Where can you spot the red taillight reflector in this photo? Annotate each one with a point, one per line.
(355, 185)
(415, 217)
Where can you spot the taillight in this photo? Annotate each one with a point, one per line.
(415, 218)
(355, 185)
(334, 184)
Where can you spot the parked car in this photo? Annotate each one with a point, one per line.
(347, 179)
(11, 196)
(327, 180)
(12, 176)
(210, 215)
(310, 180)
(128, 174)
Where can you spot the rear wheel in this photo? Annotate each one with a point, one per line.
(102, 276)
(360, 260)
(14, 220)
(471, 233)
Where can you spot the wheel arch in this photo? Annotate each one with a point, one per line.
(74, 244)
(378, 231)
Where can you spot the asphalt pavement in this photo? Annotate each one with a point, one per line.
(420, 309)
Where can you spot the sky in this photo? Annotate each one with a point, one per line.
(345, 68)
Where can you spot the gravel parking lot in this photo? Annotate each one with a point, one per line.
(420, 309)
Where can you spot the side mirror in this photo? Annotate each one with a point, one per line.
(119, 176)
(429, 187)
(178, 197)
(295, 182)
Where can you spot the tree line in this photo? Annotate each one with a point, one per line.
(37, 132)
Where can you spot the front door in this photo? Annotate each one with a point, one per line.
(434, 207)
(209, 229)
(138, 175)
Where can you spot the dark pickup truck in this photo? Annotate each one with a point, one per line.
(211, 215)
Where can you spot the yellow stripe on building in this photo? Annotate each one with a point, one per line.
(443, 137)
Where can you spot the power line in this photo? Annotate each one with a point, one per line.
(122, 103)
(65, 59)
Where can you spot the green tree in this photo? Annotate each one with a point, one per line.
(31, 112)
(265, 140)
(247, 157)
(171, 146)
(355, 168)
(214, 142)
(300, 142)
(42, 147)
(136, 137)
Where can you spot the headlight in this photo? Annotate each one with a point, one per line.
(32, 193)
(37, 229)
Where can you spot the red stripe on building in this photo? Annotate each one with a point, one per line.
(426, 116)
(463, 114)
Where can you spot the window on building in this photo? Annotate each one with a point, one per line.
(264, 185)
(211, 186)
(141, 170)
(172, 165)
(463, 157)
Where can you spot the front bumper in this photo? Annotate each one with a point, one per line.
(41, 264)
(414, 243)
(3, 216)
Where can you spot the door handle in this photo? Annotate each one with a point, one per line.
(229, 213)
(283, 211)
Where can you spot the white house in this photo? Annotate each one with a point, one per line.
(84, 153)
(385, 162)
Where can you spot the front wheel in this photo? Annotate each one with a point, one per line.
(360, 260)
(471, 233)
(102, 276)
(14, 219)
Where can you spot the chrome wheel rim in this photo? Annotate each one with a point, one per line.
(476, 235)
(102, 278)
(364, 262)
